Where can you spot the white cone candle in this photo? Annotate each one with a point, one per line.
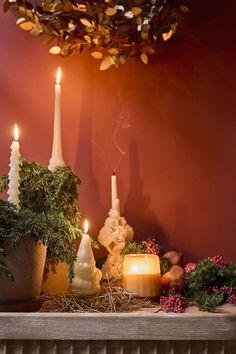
(56, 159)
(14, 173)
(87, 276)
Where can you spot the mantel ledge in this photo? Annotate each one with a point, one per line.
(142, 325)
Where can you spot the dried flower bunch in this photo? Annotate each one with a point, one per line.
(112, 30)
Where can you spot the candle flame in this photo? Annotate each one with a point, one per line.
(58, 81)
(16, 133)
(86, 226)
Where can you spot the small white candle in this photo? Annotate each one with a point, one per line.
(14, 172)
(56, 159)
(87, 276)
(115, 203)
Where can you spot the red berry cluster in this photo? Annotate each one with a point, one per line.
(219, 262)
(151, 245)
(173, 303)
(232, 299)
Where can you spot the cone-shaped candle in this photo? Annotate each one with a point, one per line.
(56, 159)
(14, 173)
(87, 276)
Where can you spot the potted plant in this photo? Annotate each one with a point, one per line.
(48, 218)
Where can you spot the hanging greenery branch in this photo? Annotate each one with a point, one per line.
(112, 30)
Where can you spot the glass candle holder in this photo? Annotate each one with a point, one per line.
(141, 275)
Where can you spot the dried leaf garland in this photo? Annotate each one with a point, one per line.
(115, 30)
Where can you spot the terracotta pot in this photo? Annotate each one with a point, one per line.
(27, 265)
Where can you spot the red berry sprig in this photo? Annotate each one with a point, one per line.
(173, 303)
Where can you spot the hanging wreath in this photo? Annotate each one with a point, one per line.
(112, 30)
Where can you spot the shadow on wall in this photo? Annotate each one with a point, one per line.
(137, 209)
(89, 189)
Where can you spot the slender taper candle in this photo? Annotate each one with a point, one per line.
(56, 159)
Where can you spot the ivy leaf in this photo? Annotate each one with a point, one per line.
(55, 50)
(80, 7)
(167, 35)
(24, 24)
(144, 35)
(86, 22)
(97, 55)
(106, 63)
(111, 11)
(113, 51)
(144, 58)
(136, 10)
(6, 5)
(88, 39)
(35, 31)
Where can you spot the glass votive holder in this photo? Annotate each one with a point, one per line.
(141, 275)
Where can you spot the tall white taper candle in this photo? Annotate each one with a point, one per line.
(56, 159)
(14, 172)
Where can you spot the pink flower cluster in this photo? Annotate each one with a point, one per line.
(227, 292)
(151, 245)
(190, 267)
(219, 262)
(173, 303)
(223, 290)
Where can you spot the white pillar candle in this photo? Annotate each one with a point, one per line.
(141, 275)
(115, 203)
(56, 159)
(14, 172)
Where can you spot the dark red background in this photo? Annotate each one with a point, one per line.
(178, 178)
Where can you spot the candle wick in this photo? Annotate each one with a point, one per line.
(113, 173)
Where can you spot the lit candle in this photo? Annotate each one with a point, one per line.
(14, 172)
(87, 276)
(141, 275)
(56, 159)
(115, 202)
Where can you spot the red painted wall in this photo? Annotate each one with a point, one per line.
(178, 177)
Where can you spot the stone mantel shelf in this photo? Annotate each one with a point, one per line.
(142, 325)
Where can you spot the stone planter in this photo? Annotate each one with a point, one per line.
(27, 265)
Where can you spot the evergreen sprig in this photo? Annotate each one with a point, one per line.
(48, 213)
(205, 285)
(134, 248)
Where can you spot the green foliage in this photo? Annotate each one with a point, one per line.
(202, 284)
(51, 192)
(3, 183)
(112, 30)
(48, 213)
(134, 248)
(204, 301)
(164, 265)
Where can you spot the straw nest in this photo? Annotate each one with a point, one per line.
(112, 298)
